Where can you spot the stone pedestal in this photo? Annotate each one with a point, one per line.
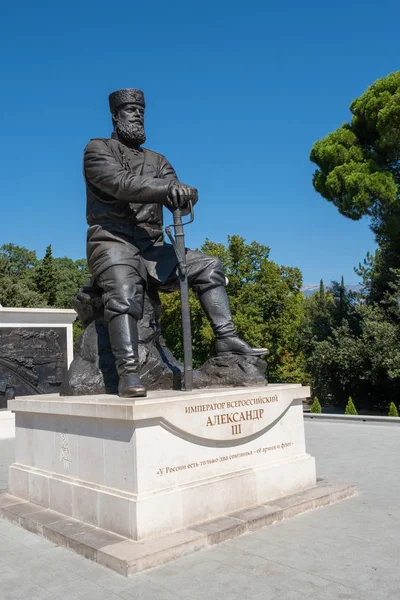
(143, 468)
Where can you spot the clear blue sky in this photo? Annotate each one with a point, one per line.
(237, 93)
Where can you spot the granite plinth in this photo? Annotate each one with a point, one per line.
(148, 467)
(128, 557)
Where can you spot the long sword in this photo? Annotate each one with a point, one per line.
(179, 246)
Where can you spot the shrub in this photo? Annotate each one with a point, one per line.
(350, 408)
(316, 406)
(393, 412)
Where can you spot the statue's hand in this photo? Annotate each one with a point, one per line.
(180, 194)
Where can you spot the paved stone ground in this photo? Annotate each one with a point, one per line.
(348, 551)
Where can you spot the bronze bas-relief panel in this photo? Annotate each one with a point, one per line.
(33, 360)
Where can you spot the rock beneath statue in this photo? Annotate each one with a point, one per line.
(93, 369)
(231, 370)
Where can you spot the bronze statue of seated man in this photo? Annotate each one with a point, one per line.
(127, 186)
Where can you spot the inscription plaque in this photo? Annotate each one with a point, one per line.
(229, 418)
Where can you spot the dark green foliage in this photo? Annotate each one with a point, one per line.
(321, 290)
(17, 278)
(350, 408)
(358, 171)
(77, 329)
(267, 308)
(316, 406)
(16, 261)
(352, 347)
(358, 163)
(15, 293)
(71, 276)
(46, 278)
(26, 281)
(393, 412)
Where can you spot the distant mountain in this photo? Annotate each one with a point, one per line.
(309, 290)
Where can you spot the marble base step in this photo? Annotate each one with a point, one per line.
(128, 557)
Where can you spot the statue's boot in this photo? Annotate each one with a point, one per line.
(215, 304)
(124, 339)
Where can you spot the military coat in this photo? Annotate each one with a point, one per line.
(126, 189)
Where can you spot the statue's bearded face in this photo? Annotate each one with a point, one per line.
(129, 124)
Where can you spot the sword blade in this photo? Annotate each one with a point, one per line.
(185, 309)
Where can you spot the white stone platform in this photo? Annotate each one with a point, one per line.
(7, 425)
(147, 467)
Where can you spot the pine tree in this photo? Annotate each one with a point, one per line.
(316, 406)
(342, 296)
(46, 278)
(393, 412)
(321, 291)
(350, 408)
